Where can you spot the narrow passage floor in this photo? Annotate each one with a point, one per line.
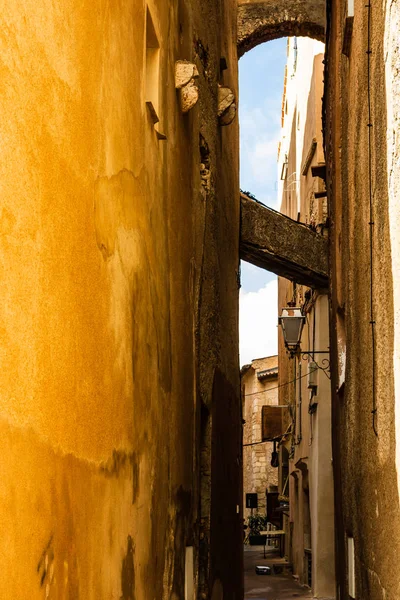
(279, 585)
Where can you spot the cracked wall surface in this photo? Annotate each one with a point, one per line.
(119, 307)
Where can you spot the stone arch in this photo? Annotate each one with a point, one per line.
(264, 20)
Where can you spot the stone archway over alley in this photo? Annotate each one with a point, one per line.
(264, 20)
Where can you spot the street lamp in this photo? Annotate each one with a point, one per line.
(292, 323)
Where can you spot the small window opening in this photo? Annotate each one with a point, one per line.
(152, 69)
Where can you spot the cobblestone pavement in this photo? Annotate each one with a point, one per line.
(278, 586)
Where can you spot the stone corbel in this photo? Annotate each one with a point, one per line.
(186, 74)
(226, 105)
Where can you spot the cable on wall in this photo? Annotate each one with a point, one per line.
(372, 322)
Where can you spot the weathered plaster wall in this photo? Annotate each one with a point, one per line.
(258, 474)
(392, 84)
(119, 305)
(367, 503)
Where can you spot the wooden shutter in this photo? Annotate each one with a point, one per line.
(273, 422)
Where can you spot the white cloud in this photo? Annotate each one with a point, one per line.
(259, 136)
(258, 121)
(263, 161)
(258, 319)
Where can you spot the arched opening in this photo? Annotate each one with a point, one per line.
(260, 22)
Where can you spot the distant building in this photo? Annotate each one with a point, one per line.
(259, 388)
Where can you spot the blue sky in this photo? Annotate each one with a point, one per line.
(261, 73)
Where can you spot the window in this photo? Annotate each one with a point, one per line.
(152, 69)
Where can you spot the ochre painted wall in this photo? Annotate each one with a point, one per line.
(114, 268)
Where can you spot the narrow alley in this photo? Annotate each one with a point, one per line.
(135, 443)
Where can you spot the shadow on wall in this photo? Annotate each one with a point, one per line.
(128, 572)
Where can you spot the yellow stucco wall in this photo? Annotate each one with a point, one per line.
(101, 270)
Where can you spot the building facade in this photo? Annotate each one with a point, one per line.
(259, 388)
(306, 473)
(361, 124)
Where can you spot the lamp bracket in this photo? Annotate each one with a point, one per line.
(324, 366)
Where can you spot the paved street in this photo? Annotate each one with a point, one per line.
(280, 585)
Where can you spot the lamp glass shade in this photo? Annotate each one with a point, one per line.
(292, 322)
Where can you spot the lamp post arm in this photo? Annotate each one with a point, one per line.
(325, 365)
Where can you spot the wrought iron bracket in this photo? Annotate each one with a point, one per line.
(324, 365)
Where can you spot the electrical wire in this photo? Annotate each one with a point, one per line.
(255, 443)
(274, 440)
(371, 224)
(276, 387)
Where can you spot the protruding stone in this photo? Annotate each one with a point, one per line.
(226, 105)
(189, 95)
(186, 74)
